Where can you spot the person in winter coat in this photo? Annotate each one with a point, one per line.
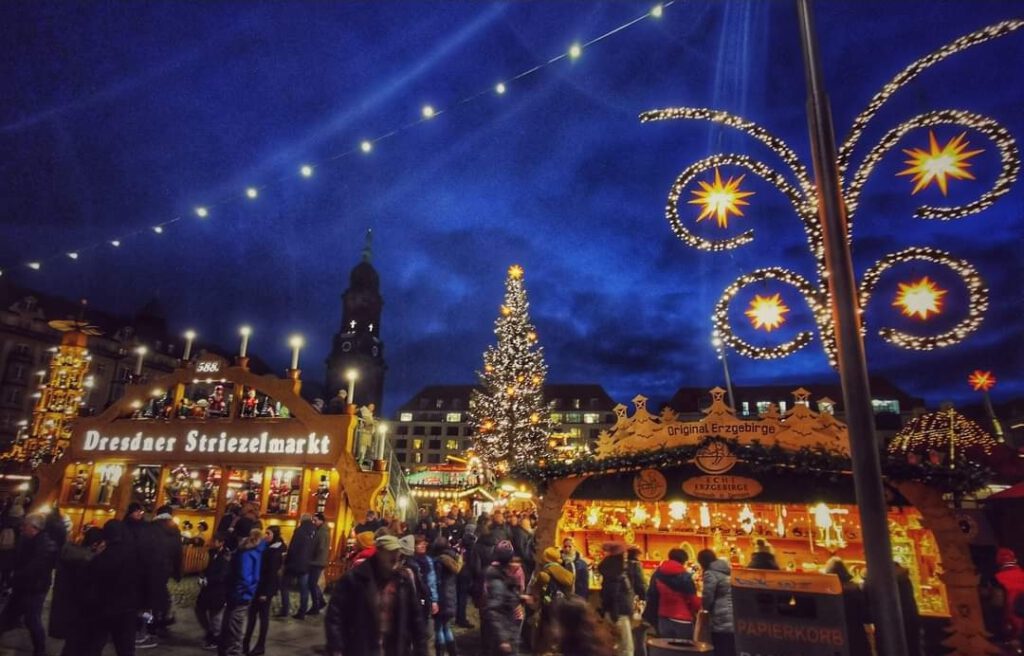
(168, 563)
(762, 558)
(552, 581)
(1010, 576)
(716, 598)
(362, 549)
(318, 561)
(242, 584)
(617, 596)
(270, 582)
(480, 559)
(33, 571)
(425, 566)
(854, 606)
(142, 536)
(112, 596)
(213, 590)
(296, 567)
(503, 610)
(447, 565)
(374, 609)
(68, 592)
(672, 602)
(464, 585)
(522, 542)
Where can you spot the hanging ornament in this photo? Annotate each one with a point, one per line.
(922, 298)
(767, 312)
(934, 164)
(720, 199)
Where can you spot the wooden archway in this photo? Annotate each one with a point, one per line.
(967, 634)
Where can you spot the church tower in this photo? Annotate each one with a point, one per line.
(357, 346)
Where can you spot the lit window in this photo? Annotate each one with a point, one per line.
(417, 458)
(576, 404)
(556, 417)
(886, 405)
(405, 416)
(591, 418)
(573, 417)
(746, 407)
(451, 445)
(575, 433)
(453, 417)
(762, 407)
(417, 444)
(782, 406)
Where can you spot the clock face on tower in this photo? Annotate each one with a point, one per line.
(346, 346)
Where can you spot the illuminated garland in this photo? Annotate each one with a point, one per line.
(912, 71)
(808, 464)
(815, 298)
(761, 170)
(945, 437)
(778, 146)
(1009, 157)
(977, 303)
(818, 296)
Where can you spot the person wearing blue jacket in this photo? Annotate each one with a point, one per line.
(245, 578)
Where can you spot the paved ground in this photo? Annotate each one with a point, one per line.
(286, 636)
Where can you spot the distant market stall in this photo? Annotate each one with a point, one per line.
(207, 436)
(727, 484)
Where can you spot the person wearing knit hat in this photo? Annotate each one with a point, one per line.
(407, 545)
(37, 555)
(1011, 577)
(375, 608)
(502, 613)
(552, 582)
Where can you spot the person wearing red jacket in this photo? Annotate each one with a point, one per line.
(672, 601)
(1011, 577)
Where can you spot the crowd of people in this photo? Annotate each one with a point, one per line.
(404, 588)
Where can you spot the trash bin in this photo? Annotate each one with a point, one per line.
(785, 613)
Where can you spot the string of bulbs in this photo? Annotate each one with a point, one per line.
(364, 147)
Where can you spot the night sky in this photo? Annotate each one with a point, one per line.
(117, 117)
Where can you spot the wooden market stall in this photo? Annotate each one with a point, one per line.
(209, 435)
(728, 484)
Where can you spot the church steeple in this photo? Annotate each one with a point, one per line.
(357, 345)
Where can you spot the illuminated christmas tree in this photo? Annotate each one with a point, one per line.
(60, 397)
(511, 421)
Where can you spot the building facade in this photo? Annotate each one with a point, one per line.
(27, 343)
(434, 424)
(357, 348)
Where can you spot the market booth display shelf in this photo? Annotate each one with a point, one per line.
(778, 483)
(206, 437)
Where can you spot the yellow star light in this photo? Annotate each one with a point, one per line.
(515, 272)
(767, 312)
(922, 298)
(981, 381)
(937, 163)
(720, 199)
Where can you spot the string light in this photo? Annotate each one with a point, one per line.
(500, 88)
(202, 212)
(428, 111)
(73, 255)
(977, 302)
(252, 192)
(912, 71)
(575, 51)
(34, 266)
(945, 432)
(116, 243)
(158, 230)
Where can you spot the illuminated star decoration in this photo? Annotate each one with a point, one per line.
(515, 272)
(922, 298)
(981, 381)
(767, 312)
(937, 163)
(720, 199)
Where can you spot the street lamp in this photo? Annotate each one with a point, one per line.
(719, 345)
(351, 375)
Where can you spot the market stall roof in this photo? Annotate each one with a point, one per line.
(1012, 492)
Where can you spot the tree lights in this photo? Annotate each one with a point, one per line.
(921, 298)
(511, 420)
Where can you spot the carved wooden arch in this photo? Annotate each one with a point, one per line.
(967, 635)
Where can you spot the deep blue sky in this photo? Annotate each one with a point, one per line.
(117, 117)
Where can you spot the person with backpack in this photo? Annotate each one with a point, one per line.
(270, 582)
(552, 582)
(617, 595)
(242, 585)
(672, 602)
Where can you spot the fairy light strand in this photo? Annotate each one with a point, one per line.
(305, 170)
